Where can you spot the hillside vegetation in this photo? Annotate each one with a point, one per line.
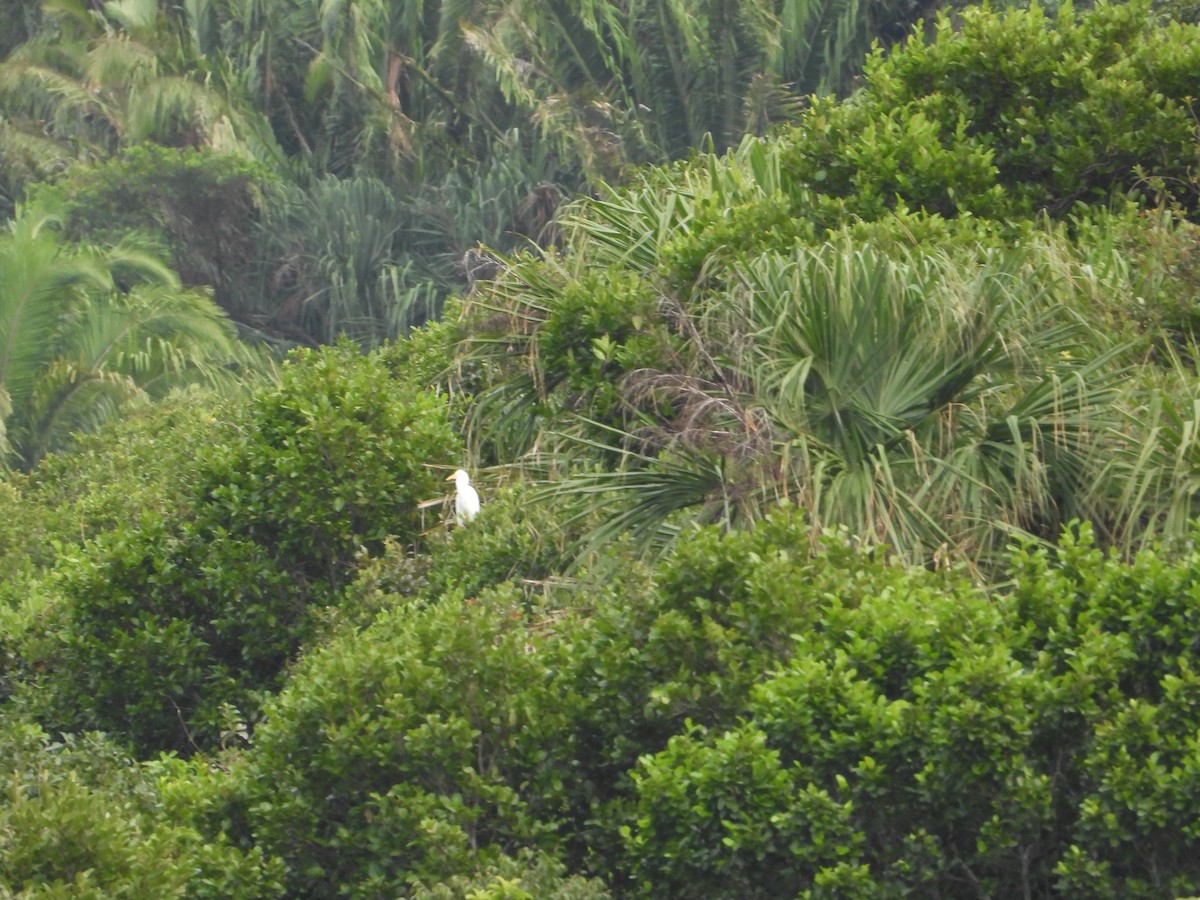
(839, 483)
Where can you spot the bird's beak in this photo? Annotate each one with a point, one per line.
(450, 477)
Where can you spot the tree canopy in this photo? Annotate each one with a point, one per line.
(833, 410)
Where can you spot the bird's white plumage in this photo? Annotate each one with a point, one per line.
(466, 498)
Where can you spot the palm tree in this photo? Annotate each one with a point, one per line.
(888, 396)
(938, 405)
(398, 86)
(500, 108)
(101, 82)
(632, 233)
(84, 330)
(652, 81)
(335, 265)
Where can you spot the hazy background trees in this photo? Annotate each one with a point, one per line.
(452, 123)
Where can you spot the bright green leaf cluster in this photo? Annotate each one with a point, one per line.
(1007, 114)
(333, 459)
(174, 621)
(752, 722)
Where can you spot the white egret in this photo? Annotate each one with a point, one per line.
(466, 498)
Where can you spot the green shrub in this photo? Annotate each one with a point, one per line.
(79, 820)
(420, 748)
(548, 348)
(514, 538)
(143, 463)
(725, 819)
(528, 876)
(719, 237)
(1140, 618)
(169, 631)
(1136, 829)
(1020, 744)
(692, 642)
(1120, 639)
(1005, 113)
(598, 328)
(844, 664)
(689, 644)
(862, 747)
(333, 459)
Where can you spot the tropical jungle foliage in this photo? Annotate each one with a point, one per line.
(840, 482)
(325, 166)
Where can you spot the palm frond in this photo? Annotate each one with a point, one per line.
(639, 499)
(1148, 488)
(74, 347)
(39, 281)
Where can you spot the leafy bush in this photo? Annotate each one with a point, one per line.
(751, 720)
(336, 457)
(142, 463)
(1006, 113)
(420, 748)
(680, 652)
(171, 633)
(528, 876)
(726, 819)
(934, 739)
(79, 820)
(724, 236)
(1141, 617)
(586, 336)
(548, 348)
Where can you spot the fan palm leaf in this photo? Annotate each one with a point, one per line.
(857, 348)
(929, 405)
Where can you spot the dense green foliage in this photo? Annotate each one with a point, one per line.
(169, 634)
(755, 723)
(463, 695)
(418, 129)
(172, 625)
(80, 820)
(839, 487)
(333, 459)
(751, 721)
(85, 329)
(1002, 116)
(200, 205)
(718, 338)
